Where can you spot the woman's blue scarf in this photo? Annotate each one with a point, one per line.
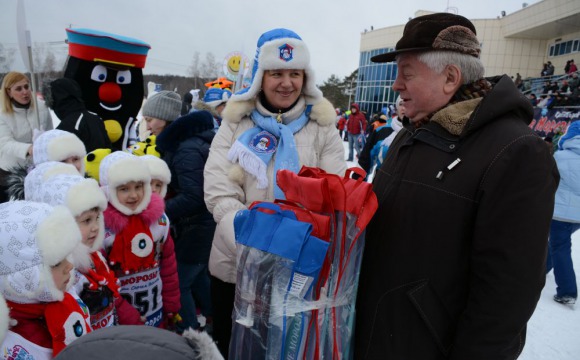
(254, 149)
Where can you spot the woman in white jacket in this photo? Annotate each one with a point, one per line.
(18, 120)
(279, 122)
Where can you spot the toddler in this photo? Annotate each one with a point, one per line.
(59, 145)
(94, 282)
(136, 237)
(36, 241)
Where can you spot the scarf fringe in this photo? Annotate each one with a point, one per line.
(249, 162)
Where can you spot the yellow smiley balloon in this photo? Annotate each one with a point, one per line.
(234, 64)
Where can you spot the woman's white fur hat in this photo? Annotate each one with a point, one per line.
(158, 170)
(119, 168)
(281, 49)
(57, 145)
(33, 238)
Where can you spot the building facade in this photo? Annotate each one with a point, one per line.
(520, 42)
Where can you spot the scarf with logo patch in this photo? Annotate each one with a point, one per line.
(254, 149)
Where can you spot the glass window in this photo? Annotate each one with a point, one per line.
(568, 47)
(556, 49)
(551, 50)
(575, 46)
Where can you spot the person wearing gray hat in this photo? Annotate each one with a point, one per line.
(454, 261)
(161, 109)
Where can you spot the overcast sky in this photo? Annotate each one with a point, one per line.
(175, 29)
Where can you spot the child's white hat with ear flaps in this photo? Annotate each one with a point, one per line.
(120, 168)
(33, 238)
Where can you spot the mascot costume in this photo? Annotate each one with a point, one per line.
(109, 69)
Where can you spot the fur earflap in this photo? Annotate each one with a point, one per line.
(323, 113)
(203, 346)
(57, 235)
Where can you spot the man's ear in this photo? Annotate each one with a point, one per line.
(453, 79)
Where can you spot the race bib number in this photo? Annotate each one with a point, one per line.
(103, 319)
(143, 291)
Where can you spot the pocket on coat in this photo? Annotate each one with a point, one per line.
(435, 315)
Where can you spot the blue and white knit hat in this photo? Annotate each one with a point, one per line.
(281, 49)
(215, 96)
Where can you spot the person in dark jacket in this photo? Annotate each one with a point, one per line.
(186, 104)
(185, 144)
(382, 130)
(64, 97)
(454, 261)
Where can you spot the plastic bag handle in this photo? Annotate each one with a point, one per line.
(356, 170)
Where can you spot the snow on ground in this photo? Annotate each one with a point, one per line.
(554, 329)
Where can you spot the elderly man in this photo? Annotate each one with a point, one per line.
(455, 256)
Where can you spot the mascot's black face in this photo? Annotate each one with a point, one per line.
(113, 93)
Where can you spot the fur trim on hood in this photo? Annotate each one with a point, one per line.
(202, 344)
(323, 112)
(117, 221)
(200, 105)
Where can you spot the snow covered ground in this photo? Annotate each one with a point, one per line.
(554, 329)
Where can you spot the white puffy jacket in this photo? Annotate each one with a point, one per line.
(228, 188)
(16, 133)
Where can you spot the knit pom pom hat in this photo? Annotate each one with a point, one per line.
(57, 145)
(33, 238)
(165, 105)
(158, 170)
(281, 49)
(119, 168)
(214, 96)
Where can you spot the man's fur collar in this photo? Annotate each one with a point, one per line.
(117, 221)
(454, 117)
(323, 112)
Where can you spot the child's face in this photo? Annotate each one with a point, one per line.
(131, 194)
(156, 186)
(89, 226)
(74, 161)
(61, 274)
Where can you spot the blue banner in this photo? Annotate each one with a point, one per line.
(546, 120)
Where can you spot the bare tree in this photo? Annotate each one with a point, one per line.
(210, 68)
(194, 67)
(6, 58)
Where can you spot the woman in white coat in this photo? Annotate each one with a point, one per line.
(279, 122)
(18, 120)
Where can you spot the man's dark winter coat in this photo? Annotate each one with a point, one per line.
(454, 262)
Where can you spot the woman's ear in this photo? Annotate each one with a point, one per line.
(453, 79)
